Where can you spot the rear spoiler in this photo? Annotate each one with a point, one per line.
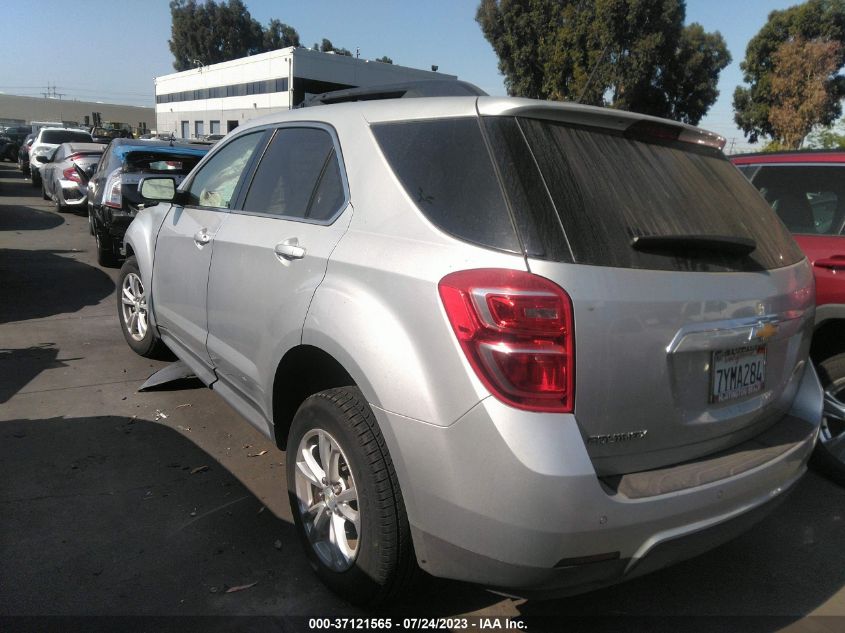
(629, 123)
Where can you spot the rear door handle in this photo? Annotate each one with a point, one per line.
(202, 237)
(837, 262)
(289, 249)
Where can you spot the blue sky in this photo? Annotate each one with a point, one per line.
(110, 51)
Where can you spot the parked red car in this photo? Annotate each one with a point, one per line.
(807, 190)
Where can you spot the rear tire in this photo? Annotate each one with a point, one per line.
(829, 456)
(132, 302)
(369, 562)
(105, 254)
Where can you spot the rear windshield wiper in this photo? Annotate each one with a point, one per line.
(719, 243)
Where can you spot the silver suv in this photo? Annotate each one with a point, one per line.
(537, 346)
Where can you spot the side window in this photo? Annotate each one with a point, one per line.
(298, 177)
(215, 183)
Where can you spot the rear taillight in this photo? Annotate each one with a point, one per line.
(517, 332)
(70, 174)
(113, 191)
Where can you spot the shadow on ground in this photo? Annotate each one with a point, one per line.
(118, 516)
(16, 217)
(42, 283)
(19, 366)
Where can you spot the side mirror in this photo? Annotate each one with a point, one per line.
(158, 189)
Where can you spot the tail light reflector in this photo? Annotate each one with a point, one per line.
(113, 190)
(70, 174)
(517, 332)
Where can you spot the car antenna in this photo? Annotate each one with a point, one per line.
(592, 74)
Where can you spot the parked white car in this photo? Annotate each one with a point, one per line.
(48, 139)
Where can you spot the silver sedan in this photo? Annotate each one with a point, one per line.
(61, 181)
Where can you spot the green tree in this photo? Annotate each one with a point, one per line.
(630, 54)
(328, 47)
(279, 35)
(384, 60)
(209, 32)
(815, 20)
(827, 137)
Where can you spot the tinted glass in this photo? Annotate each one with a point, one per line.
(608, 189)
(215, 183)
(286, 178)
(446, 170)
(160, 162)
(809, 199)
(329, 196)
(65, 136)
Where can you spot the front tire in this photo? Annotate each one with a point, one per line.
(345, 499)
(829, 456)
(132, 312)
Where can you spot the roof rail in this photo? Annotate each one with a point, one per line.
(405, 90)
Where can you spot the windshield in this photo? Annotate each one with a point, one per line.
(160, 162)
(57, 137)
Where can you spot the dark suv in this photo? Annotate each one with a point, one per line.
(10, 141)
(113, 198)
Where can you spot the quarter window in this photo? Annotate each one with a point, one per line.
(298, 177)
(215, 183)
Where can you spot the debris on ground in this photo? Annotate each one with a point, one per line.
(199, 469)
(160, 415)
(278, 544)
(256, 454)
(261, 509)
(240, 587)
(180, 406)
(183, 428)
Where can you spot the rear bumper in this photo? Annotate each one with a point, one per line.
(69, 194)
(510, 500)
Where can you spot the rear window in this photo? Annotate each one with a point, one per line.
(606, 189)
(159, 163)
(446, 170)
(56, 137)
(809, 199)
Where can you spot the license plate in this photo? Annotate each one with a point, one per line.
(736, 373)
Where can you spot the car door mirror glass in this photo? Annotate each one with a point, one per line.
(161, 189)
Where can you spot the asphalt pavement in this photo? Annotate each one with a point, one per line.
(167, 503)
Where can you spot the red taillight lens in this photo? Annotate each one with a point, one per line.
(70, 174)
(517, 332)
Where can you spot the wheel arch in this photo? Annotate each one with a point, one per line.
(303, 371)
(829, 336)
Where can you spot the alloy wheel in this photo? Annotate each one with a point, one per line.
(832, 433)
(328, 500)
(134, 306)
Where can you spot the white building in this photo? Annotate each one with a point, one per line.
(216, 99)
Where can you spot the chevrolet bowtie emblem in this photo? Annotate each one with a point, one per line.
(763, 331)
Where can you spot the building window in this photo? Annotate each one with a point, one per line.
(199, 128)
(214, 127)
(232, 90)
